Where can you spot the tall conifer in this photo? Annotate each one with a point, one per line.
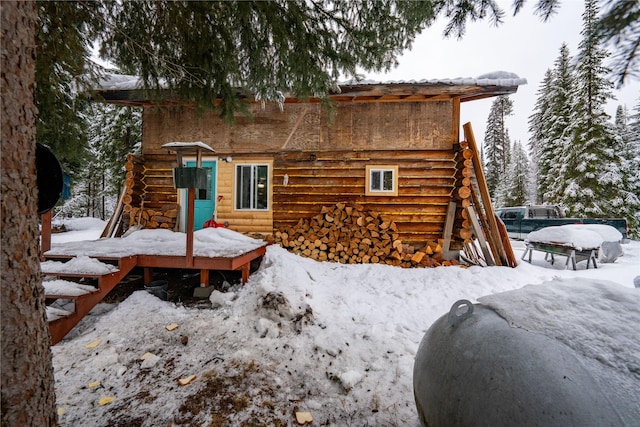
(63, 69)
(113, 132)
(516, 187)
(538, 126)
(590, 172)
(628, 133)
(496, 142)
(556, 136)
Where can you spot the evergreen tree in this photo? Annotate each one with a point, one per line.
(628, 131)
(517, 179)
(591, 166)
(556, 137)
(496, 142)
(113, 132)
(499, 195)
(538, 124)
(619, 27)
(212, 49)
(632, 153)
(63, 43)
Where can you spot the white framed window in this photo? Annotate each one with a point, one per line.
(252, 187)
(382, 180)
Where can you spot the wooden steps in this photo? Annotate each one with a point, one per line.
(84, 297)
(106, 272)
(54, 314)
(60, 289)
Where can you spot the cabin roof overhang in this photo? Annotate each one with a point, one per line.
(126, 90)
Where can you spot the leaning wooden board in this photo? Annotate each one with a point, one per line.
(506, 243)
(485, 196)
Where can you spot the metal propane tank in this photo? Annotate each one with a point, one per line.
(473, 369)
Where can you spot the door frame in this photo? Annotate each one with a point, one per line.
(182, 192)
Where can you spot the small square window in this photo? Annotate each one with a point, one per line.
(382, 180)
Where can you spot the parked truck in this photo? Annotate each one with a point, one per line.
(521, 220)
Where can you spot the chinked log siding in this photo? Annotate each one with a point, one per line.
(316, 179)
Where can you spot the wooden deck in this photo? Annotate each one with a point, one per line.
(204, 264)
(61, 323)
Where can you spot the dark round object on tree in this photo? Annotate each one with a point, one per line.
(50, 181)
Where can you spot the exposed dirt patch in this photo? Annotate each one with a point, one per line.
(245, 388)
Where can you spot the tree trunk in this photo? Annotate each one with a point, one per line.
(27, 374)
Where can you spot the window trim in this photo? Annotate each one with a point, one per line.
(236, 184)
(382, 168)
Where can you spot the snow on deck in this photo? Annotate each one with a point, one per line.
(80, 265)
(56, 313)
(208, 242)
(66, 288)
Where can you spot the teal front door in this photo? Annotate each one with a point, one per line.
(205, 202)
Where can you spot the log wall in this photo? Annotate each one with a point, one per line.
(320, 161)
(151, 176)
(313, 180)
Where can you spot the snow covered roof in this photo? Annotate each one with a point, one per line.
(120, 82)
(127, 89)
(496, 78)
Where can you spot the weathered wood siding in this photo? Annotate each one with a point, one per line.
(355, 126)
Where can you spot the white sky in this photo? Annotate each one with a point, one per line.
(522, 44)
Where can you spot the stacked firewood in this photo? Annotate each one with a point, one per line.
(485, 238)
(165, 217)
(134, 188)
(134, 184)
(464, 192)
(349, 234)
(140, 200)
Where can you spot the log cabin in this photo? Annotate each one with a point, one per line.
(389, 149)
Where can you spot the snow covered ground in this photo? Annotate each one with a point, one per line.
(337, 341)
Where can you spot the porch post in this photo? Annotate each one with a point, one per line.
(45, 234)
(191, 196)
(189, 181)
(204, 278)
(148, 275)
